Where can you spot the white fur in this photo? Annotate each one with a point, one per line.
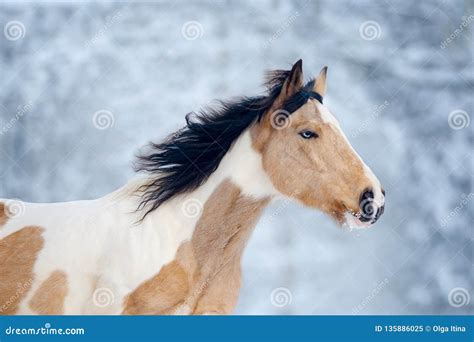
(106, 254)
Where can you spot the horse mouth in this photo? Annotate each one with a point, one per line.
(357, 220)
(353, 221)
(368, 213)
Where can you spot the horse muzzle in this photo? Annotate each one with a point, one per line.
(370, 210)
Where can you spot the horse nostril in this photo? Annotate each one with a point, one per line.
(367, 195)
(367, 205)
(379, 213)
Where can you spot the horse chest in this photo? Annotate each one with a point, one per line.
(206, 268)
(180, 284)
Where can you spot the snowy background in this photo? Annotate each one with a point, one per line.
(400, 81)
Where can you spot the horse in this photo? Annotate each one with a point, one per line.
(170, 241)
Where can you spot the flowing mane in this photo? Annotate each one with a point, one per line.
(187, 157)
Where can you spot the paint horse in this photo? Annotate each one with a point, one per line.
(171, 241)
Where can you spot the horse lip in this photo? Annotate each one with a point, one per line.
(352, 220)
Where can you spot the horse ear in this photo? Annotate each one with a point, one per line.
(320, 82)
(293, 83)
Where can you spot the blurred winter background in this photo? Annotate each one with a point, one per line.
(84, 85)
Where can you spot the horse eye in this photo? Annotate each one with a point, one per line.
(308, 134)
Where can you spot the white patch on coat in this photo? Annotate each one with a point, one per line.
(245, 166)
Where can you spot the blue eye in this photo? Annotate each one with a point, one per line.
(308, 134)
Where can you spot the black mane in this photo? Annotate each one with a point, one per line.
(186, 158)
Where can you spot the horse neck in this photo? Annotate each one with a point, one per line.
(226, 207)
